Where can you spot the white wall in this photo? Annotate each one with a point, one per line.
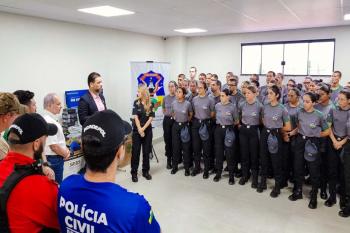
(51, 56)
(219, 54)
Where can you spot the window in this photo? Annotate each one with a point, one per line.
(313, 57)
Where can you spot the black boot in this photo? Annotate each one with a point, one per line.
(345, 212)
(332, 200)
(187, 172)
(243, 180)
(174, 170)
(134, 177)
(168, 164)
(147, 175)
(323, 194)
(254, 179)
(313, 199)
(217, 177)
(275, 191)
(342, 201)
(205, 175)
(196, 170)
(262, 185)
(296, 195)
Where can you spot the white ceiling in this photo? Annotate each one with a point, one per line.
(161, 17)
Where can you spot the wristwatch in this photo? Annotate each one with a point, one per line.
(46, 164)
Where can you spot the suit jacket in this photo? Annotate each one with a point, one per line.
(87, 106)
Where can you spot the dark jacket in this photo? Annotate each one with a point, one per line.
(87, 107)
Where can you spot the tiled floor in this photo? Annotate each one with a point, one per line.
(193, 205)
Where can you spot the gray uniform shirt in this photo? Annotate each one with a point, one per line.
(311, 124)
(325, 109)
(215, 98)
(339, 119)
(237, 98)
(275, 116)
(250, 114)
(226, 114)
(263, 95)
(166, 105)
(293, 111)
(335, 93)
(203, 107)
(181, 110)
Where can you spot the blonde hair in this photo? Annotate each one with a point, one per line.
(144, 97)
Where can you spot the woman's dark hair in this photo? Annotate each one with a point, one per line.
(98, 159)
(325, 87)
(346, 93)
(296, 91)
(276, 90)
(204, 85)
(24, 97)
(273, 73)
(92, 76)
(292, 80)
(226, 91)
(300, 86)
(252, 89)
(257, 84)
(312, 96)
(173, 82)
(184, 91)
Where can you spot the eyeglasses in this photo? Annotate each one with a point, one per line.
(290, 85)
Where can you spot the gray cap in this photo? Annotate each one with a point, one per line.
(185, 135)
(272, 143)
(311, 151)
(203, 132)
(230, 137)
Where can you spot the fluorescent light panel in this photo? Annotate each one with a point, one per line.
(190, 30)
(347, 17)
(106, 11)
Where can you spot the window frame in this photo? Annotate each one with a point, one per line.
(289, 42)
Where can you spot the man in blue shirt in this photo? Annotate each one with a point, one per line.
(93, 203)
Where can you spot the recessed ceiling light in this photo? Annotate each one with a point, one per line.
(347, 17)
(106, 11)
(190, 30)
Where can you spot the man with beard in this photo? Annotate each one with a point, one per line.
(31, 205)
(93, 101)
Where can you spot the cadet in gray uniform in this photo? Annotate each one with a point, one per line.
(293, 105)
(203, 107)
(338, 137)
(324, 105)
(335, 85)
(250, 114)
(168, 121)
(226, 118)
(276, 121)
(182, 114)
(345, 201)
(311, 126)
(215, 88)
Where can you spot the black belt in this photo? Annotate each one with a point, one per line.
(204, 121)
(224, 126)
(306, 137)
(272, 130)
(181, 123)
(250, 126)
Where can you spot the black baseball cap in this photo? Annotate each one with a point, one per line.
(108, 127)
(29, 127)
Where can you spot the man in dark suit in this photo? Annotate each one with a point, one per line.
(93, 101)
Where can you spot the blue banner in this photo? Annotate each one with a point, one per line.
(73, 97)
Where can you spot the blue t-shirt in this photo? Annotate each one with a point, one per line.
(89, 207)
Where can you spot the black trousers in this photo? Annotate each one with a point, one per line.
(199, 145)
(180, 148)
(167, 126)
(237, 148)
(249, 148)
(276, 159)
(324, 147)
(222, 151)
(146, 144)
(335, 169)
(288, 150)
(212, 140)
(299, 164)
(346, 168)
